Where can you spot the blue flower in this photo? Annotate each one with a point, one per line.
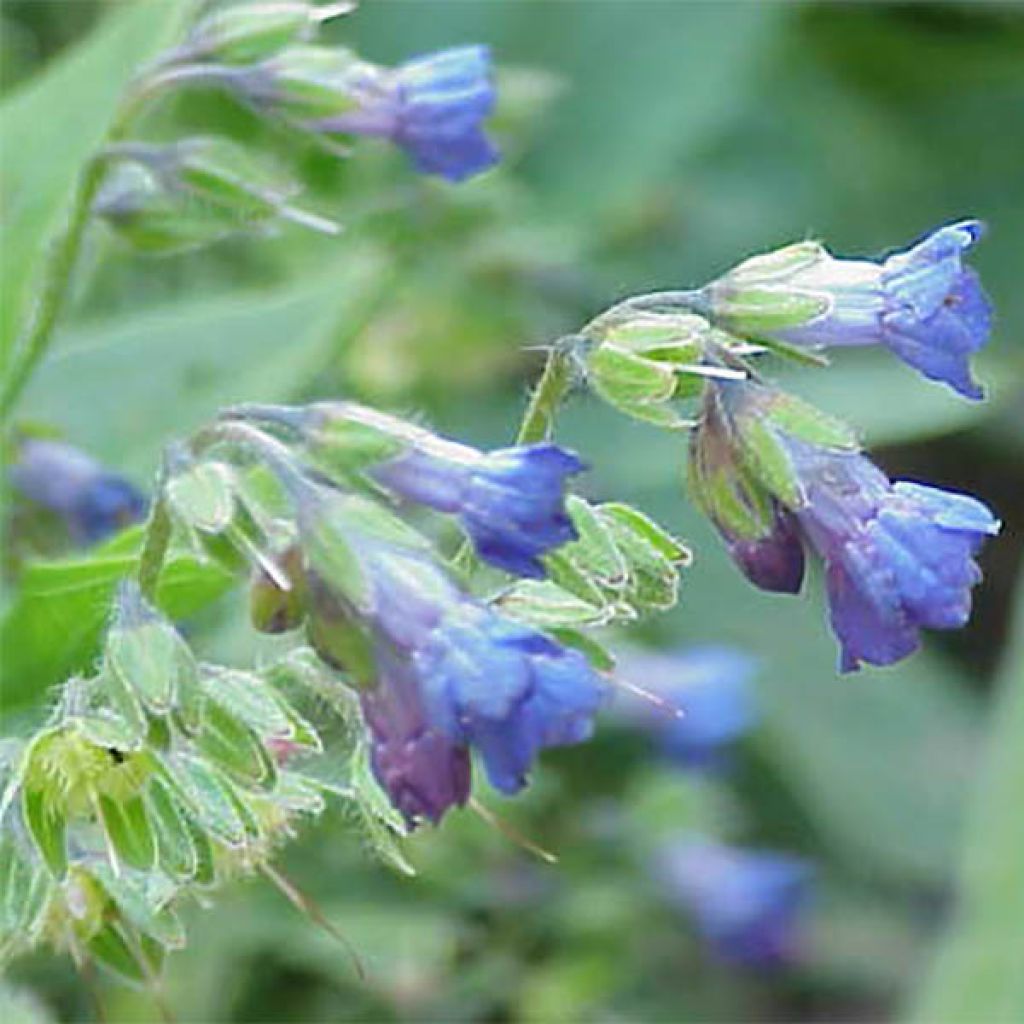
(899, 557)
(710, 686)
(511, 502)
(451, 673)
(443, 99)
(433, 107)
(746, 904)
(922, 304)
(92, 502)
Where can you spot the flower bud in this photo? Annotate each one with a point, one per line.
(145, 652)
(250, 32)
(639, 364)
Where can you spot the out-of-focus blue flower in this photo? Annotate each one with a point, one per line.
(92, 502)
(899, 557)
(451, 673)
(511, 502)
(432, 107)
(710, 686)
(923, 304)
(747, 904)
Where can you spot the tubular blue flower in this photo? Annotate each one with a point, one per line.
(747, 904)
(91, 501)
(433, 107)
(710, 686)
(899, 557)
(511, 501)
(451, 673)
(923, 304)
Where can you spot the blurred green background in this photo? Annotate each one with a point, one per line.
(648, 145)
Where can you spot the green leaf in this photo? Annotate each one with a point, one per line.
(54, 626)
(546, 605)
(976, 975)
(49, 128)
(212, 352)
(128, 830)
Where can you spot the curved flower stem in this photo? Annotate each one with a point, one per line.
(551, 389)
(154, 548)
(63, 259)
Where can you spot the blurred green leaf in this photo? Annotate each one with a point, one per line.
(53, 626)
(978, 974)
(47, 130)
(248, 346)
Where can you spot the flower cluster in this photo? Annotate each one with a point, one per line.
(439, 672)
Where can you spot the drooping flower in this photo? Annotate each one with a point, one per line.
(91, 501)
(709, 686)
(923, 303)
(746, 904)
(449, 673)
(899, 557)
(511, 501)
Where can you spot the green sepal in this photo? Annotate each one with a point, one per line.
(764, 455)
(23, 897)
(147, 654)
(248, 697)
(592, 563)
(247, 33)
(44, 802)
(652, 555)
(233, 746)
(176, 852)
(597, 654)
(378, 823)
(343, 645)
(623, 377)
(546, 605)
(202, 790)
(313, 83)
(203, 496)
(752, 311)
(274, 608)
(342, 446)
(128, 830)
(802, 420)
(778, 265)
(110, 948)
(143, 901)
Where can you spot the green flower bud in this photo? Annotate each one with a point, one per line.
(250, 32)
(642, 362)
(147, 654)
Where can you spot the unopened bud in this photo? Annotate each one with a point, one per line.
(250, 32)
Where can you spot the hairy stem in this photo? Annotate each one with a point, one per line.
(154, 548)
(539, 418)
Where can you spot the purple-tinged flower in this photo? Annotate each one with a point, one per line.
(433, 107)
(746, 904)
(511, 501)
(450, 673)
(709, 686)
(91, 501)
(423, 772)
(923, 303)
(899, 557)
